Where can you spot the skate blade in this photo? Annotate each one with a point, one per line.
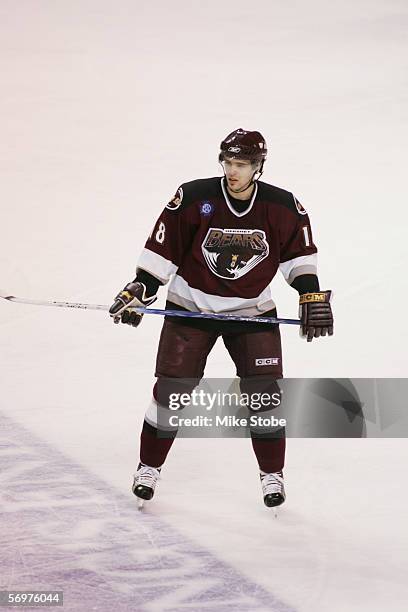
(274, 510)
(140, 503)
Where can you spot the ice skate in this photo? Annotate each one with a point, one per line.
(273, 489)
(144, 483)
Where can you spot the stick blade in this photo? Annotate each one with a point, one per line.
(5, 295)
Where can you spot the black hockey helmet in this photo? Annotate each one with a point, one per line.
(242, 144)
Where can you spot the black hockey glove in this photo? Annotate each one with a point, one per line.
(133, 295)
(315, 315)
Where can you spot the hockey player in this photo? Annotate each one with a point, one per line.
(221, 241)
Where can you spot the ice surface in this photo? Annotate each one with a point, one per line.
(64, 529)
(106, 108)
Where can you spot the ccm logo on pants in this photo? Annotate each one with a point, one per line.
(267, 361)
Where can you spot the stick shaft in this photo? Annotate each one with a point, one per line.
(153, 311)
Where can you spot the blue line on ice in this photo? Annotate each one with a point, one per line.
(65, 529)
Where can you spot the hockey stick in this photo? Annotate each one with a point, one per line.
(154, 311)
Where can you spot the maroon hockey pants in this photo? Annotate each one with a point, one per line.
(182, 354)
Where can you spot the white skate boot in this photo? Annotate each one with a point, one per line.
(144, 482)
(273, 488)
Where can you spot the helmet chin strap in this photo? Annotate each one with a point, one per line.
(247, 186)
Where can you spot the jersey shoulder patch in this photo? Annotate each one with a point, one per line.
(176, 200)
(299, 207)
(193, 191)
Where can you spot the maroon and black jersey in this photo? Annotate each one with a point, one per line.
(222, 260)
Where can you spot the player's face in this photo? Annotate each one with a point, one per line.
(238, 173)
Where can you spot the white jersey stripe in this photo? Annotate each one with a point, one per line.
(193, 299)
(158, 266)
(307, 264)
